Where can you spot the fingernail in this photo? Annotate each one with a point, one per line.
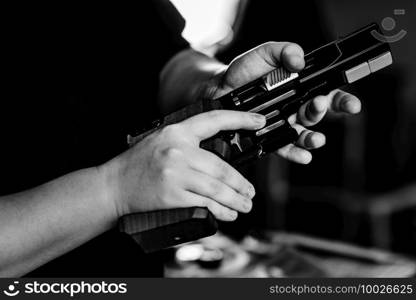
(297, 60)
(251, 192)
(320, 104)
(233, 215)
(259, 119)
(247, 205)
(351, 106)
(322, 138)
(307, 158)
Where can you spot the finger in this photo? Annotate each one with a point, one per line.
(210, 164)
(207, 186)
(295, 154)
(219, 211)
(341, 101)
(261, 60)
(276, 53)
(312, 111)
(309, 139)
(292, 57)
(208, 124)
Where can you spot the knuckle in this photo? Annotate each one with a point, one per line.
(171, 130)
(222, 171)
(268, 44)
(215, 188)
(169, 155)
(172, 153)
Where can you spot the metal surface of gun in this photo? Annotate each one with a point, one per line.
(277, 95)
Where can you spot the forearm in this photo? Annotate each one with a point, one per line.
(41, 224)
(188, 76)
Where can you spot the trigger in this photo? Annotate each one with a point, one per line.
(235, 142)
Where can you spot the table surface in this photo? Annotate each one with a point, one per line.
(279, 254)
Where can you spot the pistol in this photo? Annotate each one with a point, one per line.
(277, 95)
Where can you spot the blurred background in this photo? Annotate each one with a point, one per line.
(360, 189)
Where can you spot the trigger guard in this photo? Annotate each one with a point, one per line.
(217, 146)
(282, 137)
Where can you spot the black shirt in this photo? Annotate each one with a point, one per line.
(78, 79)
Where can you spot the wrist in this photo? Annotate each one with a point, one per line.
(108, 175)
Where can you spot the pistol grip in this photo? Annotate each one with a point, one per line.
(161, 229)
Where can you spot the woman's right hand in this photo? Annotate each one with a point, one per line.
(168, 169)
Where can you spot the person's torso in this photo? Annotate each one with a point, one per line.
(76, 84)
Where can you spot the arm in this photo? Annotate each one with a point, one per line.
(42, 223)
(165, 170)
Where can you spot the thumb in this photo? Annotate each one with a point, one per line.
(263, 59)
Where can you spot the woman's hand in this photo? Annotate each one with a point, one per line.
(168, 169)
(263, 59)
